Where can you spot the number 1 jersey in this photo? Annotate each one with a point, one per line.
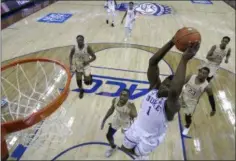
(151, 117)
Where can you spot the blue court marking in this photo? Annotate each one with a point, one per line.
(201, 1)
(86, 144)
(187, 137)
(132, 71)
(121, 79)
(55, 18)
(182, 138)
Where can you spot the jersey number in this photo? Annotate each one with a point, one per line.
(149, 108)
(192, 91)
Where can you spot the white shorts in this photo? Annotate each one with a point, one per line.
(143, 143)
(86, 70)
(188, 107)
(120, 124)
(129, 24)
(111, 10)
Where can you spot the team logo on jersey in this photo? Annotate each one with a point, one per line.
(147, 8)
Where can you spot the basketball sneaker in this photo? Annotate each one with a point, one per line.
(112, 25)
(81, 93)
(110, 151)
(107, 21)
(185, 131)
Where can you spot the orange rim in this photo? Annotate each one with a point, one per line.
(20, 124)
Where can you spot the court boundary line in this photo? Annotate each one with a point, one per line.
(86, 144)
(35, 52)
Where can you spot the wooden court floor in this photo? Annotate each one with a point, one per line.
(211, 138)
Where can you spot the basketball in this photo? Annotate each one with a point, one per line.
(185, 36)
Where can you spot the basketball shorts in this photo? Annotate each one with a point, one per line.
(188, 106)
(142, 142)
(86, 70)
(120, 124)
(129, 24)
(111, 9)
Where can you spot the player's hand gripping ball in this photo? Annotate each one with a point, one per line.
(186, 36)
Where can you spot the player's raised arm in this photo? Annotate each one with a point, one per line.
(210, 53)
(178, 81)
(153, 69)
(123, 17)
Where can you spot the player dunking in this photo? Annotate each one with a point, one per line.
(80, 57)
(195, 86)
(216, 55)
(130, 16)
(125, 112)
(159, 105)
(111, 8)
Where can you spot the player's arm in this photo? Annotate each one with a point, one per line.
(124, 17)
(227, 56)
(211, 99)
(72, 52)
(133, 111)
(109, 113)
(188, 78)
(153, 69)
(115, 3)
(172, 103)
(210, 53)
(91, 53)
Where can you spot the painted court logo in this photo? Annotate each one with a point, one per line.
(55, 18)
(152, 9)
(146, 8)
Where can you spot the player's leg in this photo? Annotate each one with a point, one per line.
(131, 140)
(113, 17)
(127, 33)
(111, 131)
(79, 83)
(108, 15)
(147, 146)
(88, 79)
(188, 120)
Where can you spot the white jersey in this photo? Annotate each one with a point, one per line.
(80, 56)
(151, 117)
(122, 113)
(130, 15)
(219, 54)
(111, 4)
(192, 91)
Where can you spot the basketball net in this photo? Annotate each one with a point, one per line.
(33, 92)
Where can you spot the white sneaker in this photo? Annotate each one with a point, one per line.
(125, 39)
(185, 131)
(110, 151)
(142, 158)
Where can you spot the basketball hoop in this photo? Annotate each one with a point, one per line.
(32, 90)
